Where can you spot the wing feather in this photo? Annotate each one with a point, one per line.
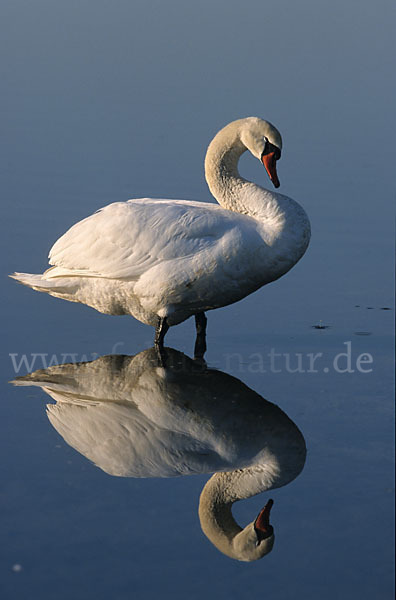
(126, 239)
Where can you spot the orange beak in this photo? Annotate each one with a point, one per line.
(269, 162)
(262, 523)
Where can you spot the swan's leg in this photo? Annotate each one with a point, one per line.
(200, 342)
(162, 356)
(160, 331)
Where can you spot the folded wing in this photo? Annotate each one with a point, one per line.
(125, 239)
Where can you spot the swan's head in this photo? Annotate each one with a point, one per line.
(257, 539)
(264, 141)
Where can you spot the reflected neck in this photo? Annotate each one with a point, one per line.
(220, 493)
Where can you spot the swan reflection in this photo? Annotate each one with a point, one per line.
(143, 416)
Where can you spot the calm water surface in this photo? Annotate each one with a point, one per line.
(105, 102)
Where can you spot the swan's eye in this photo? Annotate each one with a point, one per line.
(266, 147)
(271, 148)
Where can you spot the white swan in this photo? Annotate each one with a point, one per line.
(134, 418)
(163, 261)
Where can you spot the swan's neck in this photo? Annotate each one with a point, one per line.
(226, 184)
(220, 493)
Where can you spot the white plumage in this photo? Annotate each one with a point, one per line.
(155, 258)
(134, 418)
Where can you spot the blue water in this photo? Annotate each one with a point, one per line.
(107, 101)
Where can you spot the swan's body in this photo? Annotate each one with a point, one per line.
(134, 418)
(170, 259)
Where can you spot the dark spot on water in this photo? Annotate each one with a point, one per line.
(357, 305)
(385, 308)
(320, 326)
(370, 307)
(362, 332)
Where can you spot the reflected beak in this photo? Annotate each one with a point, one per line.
(269, 162)
(262, 524)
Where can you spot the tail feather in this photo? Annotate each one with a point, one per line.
(38, 282)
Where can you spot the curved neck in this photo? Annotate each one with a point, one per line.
(221, 167)
(220, 493)
(232, 191)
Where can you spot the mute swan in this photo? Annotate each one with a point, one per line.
(163, 261)
(134, 418)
